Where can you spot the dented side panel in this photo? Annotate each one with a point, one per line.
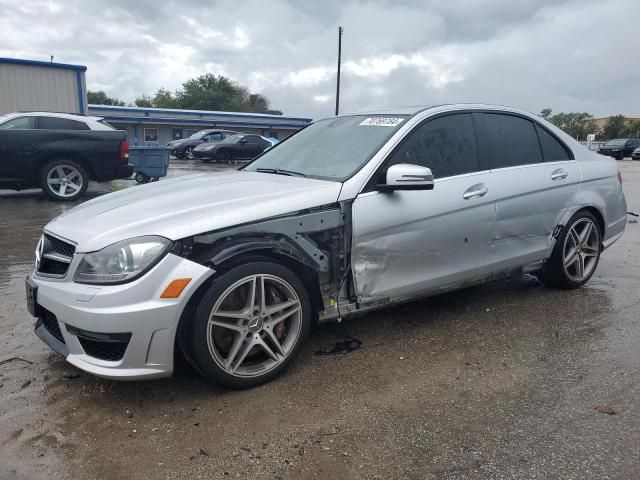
(410, 242)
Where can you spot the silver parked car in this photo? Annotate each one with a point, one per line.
(350, 214)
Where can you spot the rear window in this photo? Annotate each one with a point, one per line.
(552, 149)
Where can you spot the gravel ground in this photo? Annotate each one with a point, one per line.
(508, 380)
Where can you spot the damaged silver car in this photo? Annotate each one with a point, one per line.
(350, 214)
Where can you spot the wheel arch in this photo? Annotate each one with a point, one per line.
(239, 252)
(595, 210)
(74, 157)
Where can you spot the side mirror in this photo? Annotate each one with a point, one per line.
(243, 141)
(407, 177)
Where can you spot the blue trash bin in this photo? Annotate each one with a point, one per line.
(149, 162)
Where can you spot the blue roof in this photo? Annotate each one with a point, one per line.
(36, 63)
(110, 110)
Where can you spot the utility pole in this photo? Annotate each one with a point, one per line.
(340, 32)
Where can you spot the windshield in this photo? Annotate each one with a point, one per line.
(618, 142)
(233, 139)
(199, 135)
(331, 149)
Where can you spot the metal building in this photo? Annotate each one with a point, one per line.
(28, 85)
(151, 125)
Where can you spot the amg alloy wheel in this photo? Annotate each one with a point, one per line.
(250, 324)
(188, 153)
(576, 253)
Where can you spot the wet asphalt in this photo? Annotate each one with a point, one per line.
(509, 380)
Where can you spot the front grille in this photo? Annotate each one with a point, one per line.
(50, 322)
(112, 351)
(54, 256)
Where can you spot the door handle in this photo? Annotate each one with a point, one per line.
(559, 174)
(479, 190)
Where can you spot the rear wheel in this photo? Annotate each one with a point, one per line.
(64, 180)
(576, 253)
(250, 324)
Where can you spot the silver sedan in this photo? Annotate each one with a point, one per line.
(350, 214)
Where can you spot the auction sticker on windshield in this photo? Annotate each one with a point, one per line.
(382, 121)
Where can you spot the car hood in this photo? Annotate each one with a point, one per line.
(184, 206)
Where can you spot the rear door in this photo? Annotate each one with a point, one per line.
(536, 180)
(409, 242)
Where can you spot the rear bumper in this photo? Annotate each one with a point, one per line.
(124, 171)
(132, 315)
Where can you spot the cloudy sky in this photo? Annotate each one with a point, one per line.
(571, 55)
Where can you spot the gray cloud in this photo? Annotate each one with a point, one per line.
(566, 54)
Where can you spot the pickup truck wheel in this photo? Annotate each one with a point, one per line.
(250, 324)
(188, 153)
(576, 253)
(64, 180)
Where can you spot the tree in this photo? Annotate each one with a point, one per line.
(632, 129)
(576, 124)
(101, 98)
(615, 127)
(144, 101)
(210, 92)
(545, 113)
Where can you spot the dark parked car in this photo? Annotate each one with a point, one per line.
(60, 153)
(183, 148)
(619, 148)
(240, 146)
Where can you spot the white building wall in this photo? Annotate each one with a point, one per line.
(30, 87)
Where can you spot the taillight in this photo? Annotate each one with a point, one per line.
(620, 177)
(124, 149)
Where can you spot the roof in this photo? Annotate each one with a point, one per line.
(36, 63)
(146, 111)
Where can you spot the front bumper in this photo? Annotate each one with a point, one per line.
(132, 311)
(609, 153)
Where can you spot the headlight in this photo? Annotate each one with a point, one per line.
(122, 261)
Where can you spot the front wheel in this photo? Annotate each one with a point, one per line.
(223, 156)
(188, 153)
(63, 180)
(576, 253)
(250, 324)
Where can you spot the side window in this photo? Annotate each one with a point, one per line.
(510, 140)
(252, 139)
(53, 123)
(215, 137)
(20, 123)
(447, 145)
(552, 149)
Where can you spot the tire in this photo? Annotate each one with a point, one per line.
(188, 153)
(232, 351)
(63, 180)
(140, 177)
(223, 156)
(566, 269)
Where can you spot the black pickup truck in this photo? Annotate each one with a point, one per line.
(60, 153)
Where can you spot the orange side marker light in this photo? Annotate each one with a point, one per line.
(175, 288)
